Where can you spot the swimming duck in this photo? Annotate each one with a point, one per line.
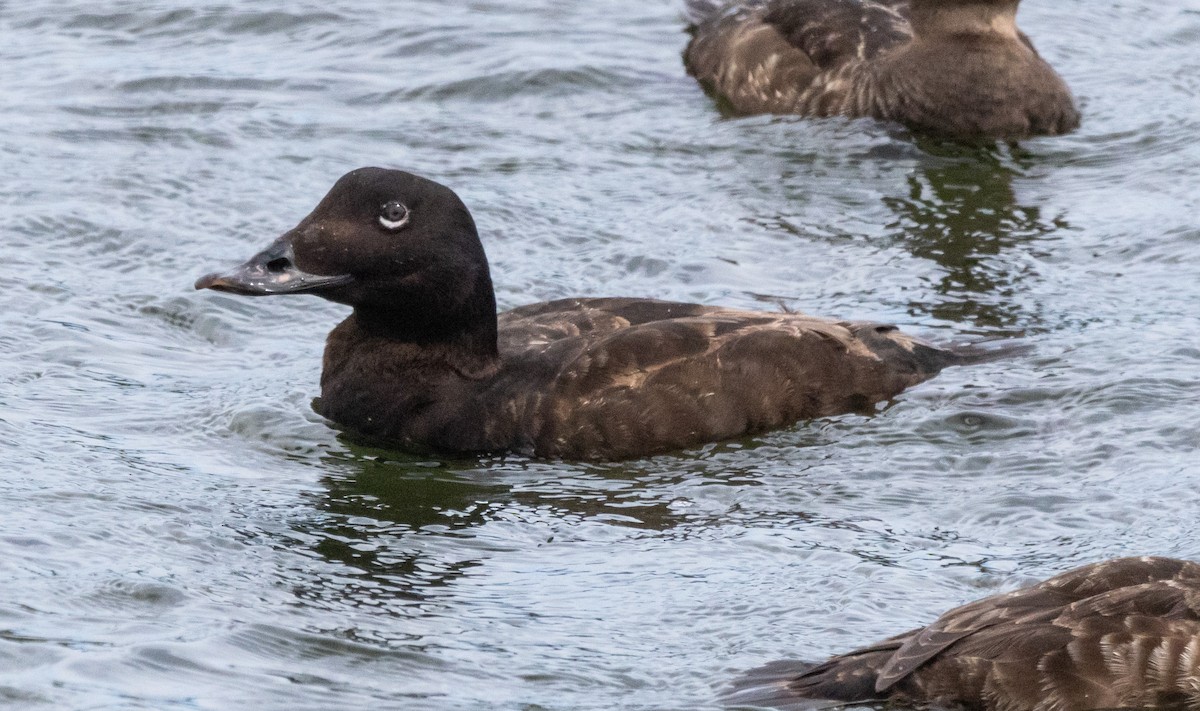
(1123, 633)
(956, 68)
(424, 362)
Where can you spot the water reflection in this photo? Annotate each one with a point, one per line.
(381, 516)
(962, 212)
(390, 486)
(403, 527)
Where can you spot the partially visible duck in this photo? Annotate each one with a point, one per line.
(1124, 633)
(424, 362)
(956, 68)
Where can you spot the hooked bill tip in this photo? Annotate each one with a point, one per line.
(207, 281)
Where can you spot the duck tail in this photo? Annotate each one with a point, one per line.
(767, 687)
(802, 686)
(698, 11)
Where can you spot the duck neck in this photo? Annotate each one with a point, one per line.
(465, 339)
(941, 18)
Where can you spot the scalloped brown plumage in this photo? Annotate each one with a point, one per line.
(1123, 633)
(958, 68)
(425, 363)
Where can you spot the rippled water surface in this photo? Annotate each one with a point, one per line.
(178, 529)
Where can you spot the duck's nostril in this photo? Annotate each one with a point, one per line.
(279, 265)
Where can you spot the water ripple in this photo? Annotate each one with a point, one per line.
(180, 529)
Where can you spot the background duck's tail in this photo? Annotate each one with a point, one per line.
(801, 686)
(697, 11)
(767, 687)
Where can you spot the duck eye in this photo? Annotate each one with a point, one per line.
(393, 215)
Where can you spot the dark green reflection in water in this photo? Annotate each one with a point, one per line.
(385, 512)
(375, 504)
(961, 211)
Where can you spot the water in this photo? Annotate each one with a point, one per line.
(178, 530)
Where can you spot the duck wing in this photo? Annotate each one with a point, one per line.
(1120, 633)
(1113, 589)
(627, 377)
(1125, 633)
(834, 32)
(763, 56)
(549, 321)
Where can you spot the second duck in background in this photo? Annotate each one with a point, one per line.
(956, 68)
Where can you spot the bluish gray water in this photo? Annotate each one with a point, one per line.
(178, 530)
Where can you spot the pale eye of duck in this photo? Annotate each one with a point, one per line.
(393, 215)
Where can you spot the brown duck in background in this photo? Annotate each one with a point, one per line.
(424, 362)
(955, 68)
(1124, 633)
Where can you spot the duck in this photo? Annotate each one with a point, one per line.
(424, 363)
(1122, 633)
(959, 69)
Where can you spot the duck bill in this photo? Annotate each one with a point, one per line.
(271, 271)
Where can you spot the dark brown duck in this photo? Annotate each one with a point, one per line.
(1124, 633)
(424, 362)
(956, 68)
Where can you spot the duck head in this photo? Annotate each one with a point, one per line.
(401, 249)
